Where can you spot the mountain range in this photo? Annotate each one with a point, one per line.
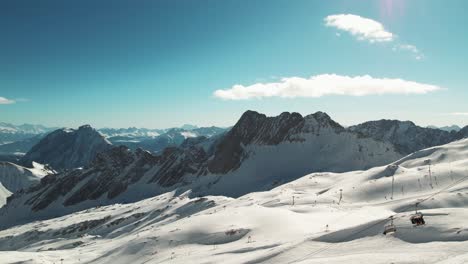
(249, 192)
(256, 154)
(15, 141)
(11, 133)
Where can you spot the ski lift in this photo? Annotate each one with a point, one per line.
(417, 219)
(390, 229)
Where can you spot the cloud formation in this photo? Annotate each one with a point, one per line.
(368, 29)
(4, 100)
(325, 84)
(360, 27)
(459, 114)
(410, 48)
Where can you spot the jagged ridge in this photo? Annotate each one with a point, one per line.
(67, 148)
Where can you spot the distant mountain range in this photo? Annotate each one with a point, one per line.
(11, 133)
(447, 128)
(256, 154)
(159, 139)
(17, 140)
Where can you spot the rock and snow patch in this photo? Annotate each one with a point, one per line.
(14, 178)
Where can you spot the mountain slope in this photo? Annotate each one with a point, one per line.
(20, 147)
(14, 178)
(304, 221)
(405, 135)
(67, 148)
(257, 154)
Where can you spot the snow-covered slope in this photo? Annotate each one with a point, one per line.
(257, 154)
(304, 221)
(14, 178)
(67, 148)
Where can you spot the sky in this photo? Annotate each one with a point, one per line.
(164, 63)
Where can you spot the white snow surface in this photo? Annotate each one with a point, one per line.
(266, 227)
(14, 177)
(188, 134)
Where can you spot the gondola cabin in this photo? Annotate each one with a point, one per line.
(417, 219)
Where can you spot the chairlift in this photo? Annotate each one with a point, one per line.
(390, 229)
(417, 219)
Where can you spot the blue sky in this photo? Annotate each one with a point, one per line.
(163, 63)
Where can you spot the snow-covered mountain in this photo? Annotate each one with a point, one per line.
(319, 218)
(25, 128)
(447, 128)
(18, 140)
(130, 132)
(11, 133)
(258, 153)
(405, 135)
(67, 148)
(157, 141)
(14, 178)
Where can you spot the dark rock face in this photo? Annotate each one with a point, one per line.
(67, 148)
(176, 162)
(404, 135)
(463, 133)
(110, 173)
(255, 128)
(113, 171)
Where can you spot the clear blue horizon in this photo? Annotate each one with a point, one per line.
(159, 64)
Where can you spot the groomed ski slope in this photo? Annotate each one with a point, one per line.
(266, 227)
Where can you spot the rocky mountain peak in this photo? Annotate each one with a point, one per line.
(406, 136)
(67, 148)
(85, 127)
(119, 156)
(321, 119)
(463, 133)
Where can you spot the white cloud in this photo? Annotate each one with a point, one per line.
(4, 100)
(360, 27)
(410, 48)
(459, 114)
(325, 84)
(370, 30)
